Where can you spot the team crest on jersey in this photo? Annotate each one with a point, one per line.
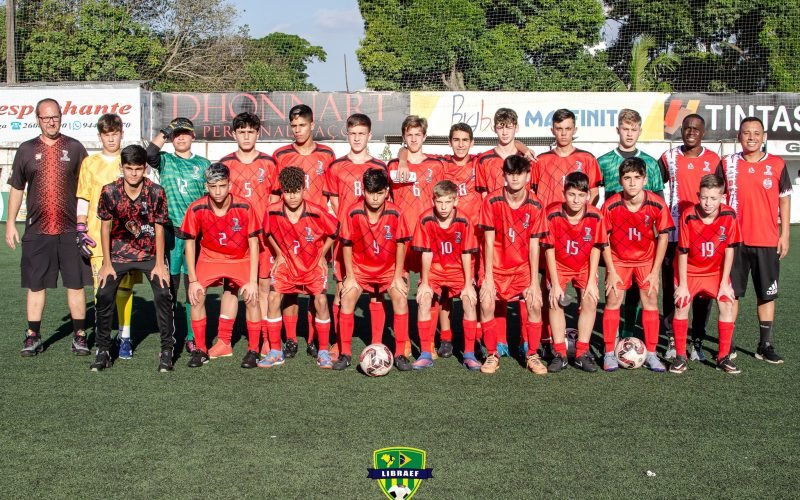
(722, 235)
(309, 235)
(236, 227)
(768, 170)
(767, 183)
(144, 208)
(320, 168)
(387, 235)
(578, 166)
(429, 176)
(527, 221)
(706, 166)
(588, 235)
(646, 220)
(65, 155)
(38, 156)
(751, 170)
(458, 236)
(261, 175)
(691, 166)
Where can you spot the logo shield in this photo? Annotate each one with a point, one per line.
(399, 471)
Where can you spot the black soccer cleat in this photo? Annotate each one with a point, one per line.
(198, 359)
(586, 362)
(80, 345)
(250, 360)
(311, 350)
(558, 363)
(342, 362)
(101, 361)
(766, 352)
(32, 345)
(290, 349)
(165, 361)
(679, 364)
(445, 349)
(726, 365)
(403, 364)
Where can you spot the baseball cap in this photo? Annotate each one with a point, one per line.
(181, 125)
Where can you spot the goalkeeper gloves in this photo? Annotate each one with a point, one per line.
(84, 241)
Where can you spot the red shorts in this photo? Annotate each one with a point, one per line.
(703, 286)
(412, 262)
(265, 262)
(453, 289)
(212, 272)
(284, 282)
(579, 279)
(627, 274)
(511, 286)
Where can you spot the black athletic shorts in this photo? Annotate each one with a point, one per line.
(760, 262)
(44, 256)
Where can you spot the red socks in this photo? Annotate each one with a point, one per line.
(534, 334)
(725, 338)
(225, 329)
(581, 348)
(490, 335)
(400, 334)
(253, 335)
(470, 331)
(199, 328)
(426, 331)
(610, 327)
(346, 324)
(651, 325)
(680, 328)
(377, 317)
(323, 328)
(290, 325)
(274, 332)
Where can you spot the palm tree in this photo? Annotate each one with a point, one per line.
(644, 71)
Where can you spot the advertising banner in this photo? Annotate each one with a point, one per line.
(212, 113)
(81, 106)
(596, 112)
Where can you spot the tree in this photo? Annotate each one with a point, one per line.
(644, 71)
(481, 44)
(279, 62)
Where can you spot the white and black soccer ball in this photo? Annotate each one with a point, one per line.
(630, 352)
(376, 360)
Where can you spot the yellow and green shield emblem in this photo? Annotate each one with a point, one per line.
(399, 471)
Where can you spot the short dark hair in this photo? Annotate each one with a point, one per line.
(245, 119)
(414, 121)
(292, 179)
(505, 116)
(375, 180)
(462, 127)
(301, 111)
(357, 119)
(633, 164)
(576, 180)
(749, 119)
(133, 155)
(695, 116)
(217, 172)
(109, 122)
(516, 164)
(563, 114)
(712, 181)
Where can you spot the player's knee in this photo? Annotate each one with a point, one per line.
(162, 294)
(321, 302)
(105, 295)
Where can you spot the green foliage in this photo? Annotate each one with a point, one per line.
(279, 62)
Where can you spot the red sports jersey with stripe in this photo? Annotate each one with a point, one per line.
(550, 170)
(222, 237)
(374, 244)
(573, 243)
(489, 171)
(413, 198)
(705, 244)
(754, 191)
(315, 165)
(684, 176)
(469, 199)
(301, 243)
(513, 229)
(344, 181)
(633, 235)
(446, 244)
(254, 181)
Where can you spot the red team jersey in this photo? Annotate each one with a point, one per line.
(447, 247)
(223, 237)
(633, 235)
(550, 169)
(344, 179)
(573, 243)
(315, 165)
(254, 181)
(513, 230)
(754, 191)
(469, 199)
(301, 243)
(705, 244)
(374, 245)
(413, 198)
(684, 176)
(489, 172)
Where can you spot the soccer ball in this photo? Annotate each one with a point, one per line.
(630, 352)
(376, 360)
(571, 337)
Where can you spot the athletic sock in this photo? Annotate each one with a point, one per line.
(523, 322)
(312, 329)
(323, 328)
(581, 348)
(501, 326)
(346, 324)
(377, 318)
(425, 329)
(225, 329)
(561, 348)
(765, 332)
(725, 338)
(534, 331)
(79, 325)
(290, 325)
(680, 328)
(274, 332)
(400, 334)
(610, 327)
(199, 327)
(650, 322)
(124, 301)
(253, 335)
(490, 335)
(470, 327)
(35, 326)
(446, 335)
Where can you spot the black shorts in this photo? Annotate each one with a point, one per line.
(760, 262)
(44, 256)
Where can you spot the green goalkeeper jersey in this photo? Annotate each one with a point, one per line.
(183, 180)
(609, 166)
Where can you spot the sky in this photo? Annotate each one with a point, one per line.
(335, 25)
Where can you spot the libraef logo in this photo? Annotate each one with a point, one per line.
(399, 471)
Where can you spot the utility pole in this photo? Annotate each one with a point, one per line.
(346, 82)
(11, 56)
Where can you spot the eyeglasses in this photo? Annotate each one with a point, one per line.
(50, 119)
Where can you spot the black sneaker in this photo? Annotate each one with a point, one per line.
(32, 345)
(342, 362)
(766, 352)
(165, 361)
(101, 361)
(725, 364)
(732, 353)
(198, 358)
(547, 352)
(558, 363)
(403, 364)
(80, 345)
(290, 349)
(679, 364)
(311, 350)
(250, 360)
(586, 362)
(445, 349)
